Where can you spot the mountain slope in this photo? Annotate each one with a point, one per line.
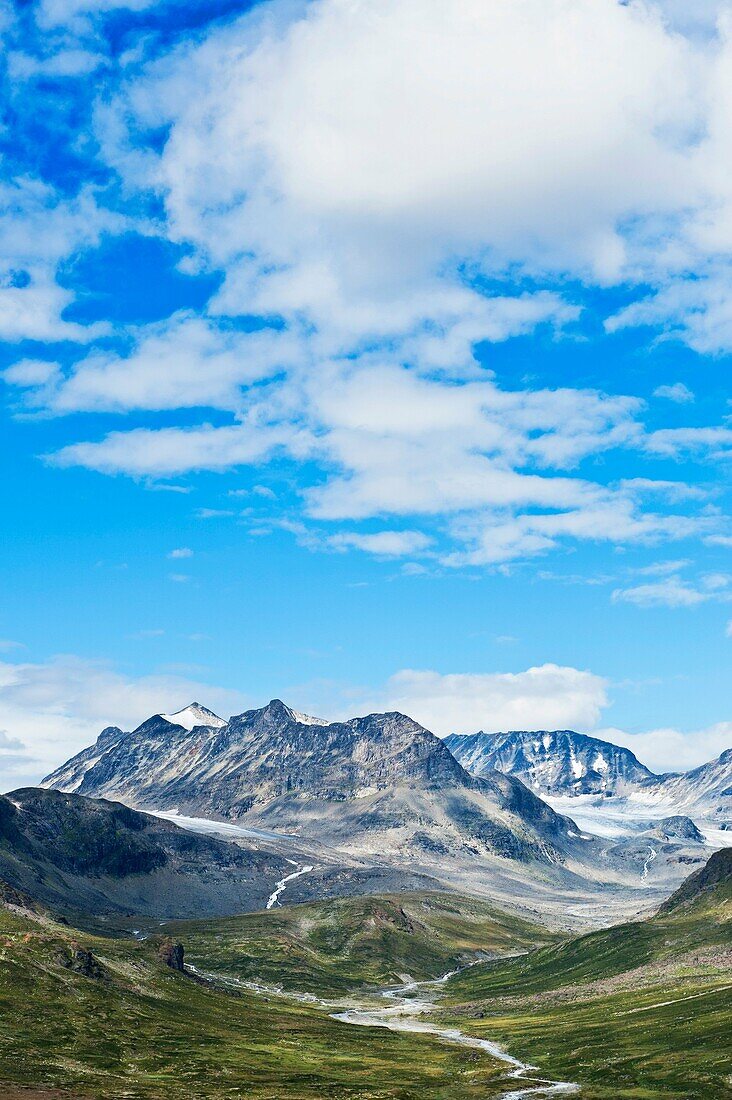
(376, 784)
(78, 853)
(707, 790)
(337, 945)
(560, 762)
(708, 889)
(636, 1010)
(105, 1018)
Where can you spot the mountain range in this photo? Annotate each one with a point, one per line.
(565, 764)
(381, 783)
(558, 762)
(382, 794)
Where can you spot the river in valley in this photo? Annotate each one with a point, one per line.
(406, 1008)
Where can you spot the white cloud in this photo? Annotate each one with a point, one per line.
(673, 592)
(678, 392)
(71, 14)
(388, 544)
(394, 443)
(546, 697)
(714, 443)
(668, 749)
(160, 452)
(39, 229)
(181, 362)
(609, 518)
(181, 552)
(378, 167)
(662, 568)
(417, 131)
(369, 154)
(57, 707)
(65, 62)
(672, 490)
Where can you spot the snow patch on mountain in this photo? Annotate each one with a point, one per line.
(306, 719)
(194, 715)
(554, 762)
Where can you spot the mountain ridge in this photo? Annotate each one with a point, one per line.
(104, 857)
(564, 764)
(382, 774)
(554, 762)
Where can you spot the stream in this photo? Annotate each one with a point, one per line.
(403, 1013)
(649, 860)
(281, 886)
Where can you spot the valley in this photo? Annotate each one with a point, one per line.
(280, 907)
(352, 998)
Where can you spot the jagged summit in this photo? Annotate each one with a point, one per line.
(194, 715)
(375, 783)
(278, 711)
(553, 762)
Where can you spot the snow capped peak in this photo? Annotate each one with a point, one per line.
(194, 715)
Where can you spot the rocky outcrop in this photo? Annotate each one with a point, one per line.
(172, 954)
(79, 960)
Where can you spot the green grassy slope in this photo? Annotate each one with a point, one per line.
(638, 1011)
(341, 944)
(123, 1024)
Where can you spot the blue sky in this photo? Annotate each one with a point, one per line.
(369, 356)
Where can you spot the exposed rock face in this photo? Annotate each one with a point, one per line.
(172, 955)
(372, 784)
(564, 763)
(677, 827)
(72, 852)
(561, 762)
(81, 961)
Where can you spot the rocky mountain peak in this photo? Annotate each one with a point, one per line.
(194, 715)
(553, 762)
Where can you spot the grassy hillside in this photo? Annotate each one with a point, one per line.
(641, 1010)
(341, 944)
(108, 1018)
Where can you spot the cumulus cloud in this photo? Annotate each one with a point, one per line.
(165, 451)
(38, 230)
(184, 361)
(57, 13)
(546, 697)
(714, 443)
(52, 709)
(367, 153)
(397, 183)
(392, 442)
(669, 749)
